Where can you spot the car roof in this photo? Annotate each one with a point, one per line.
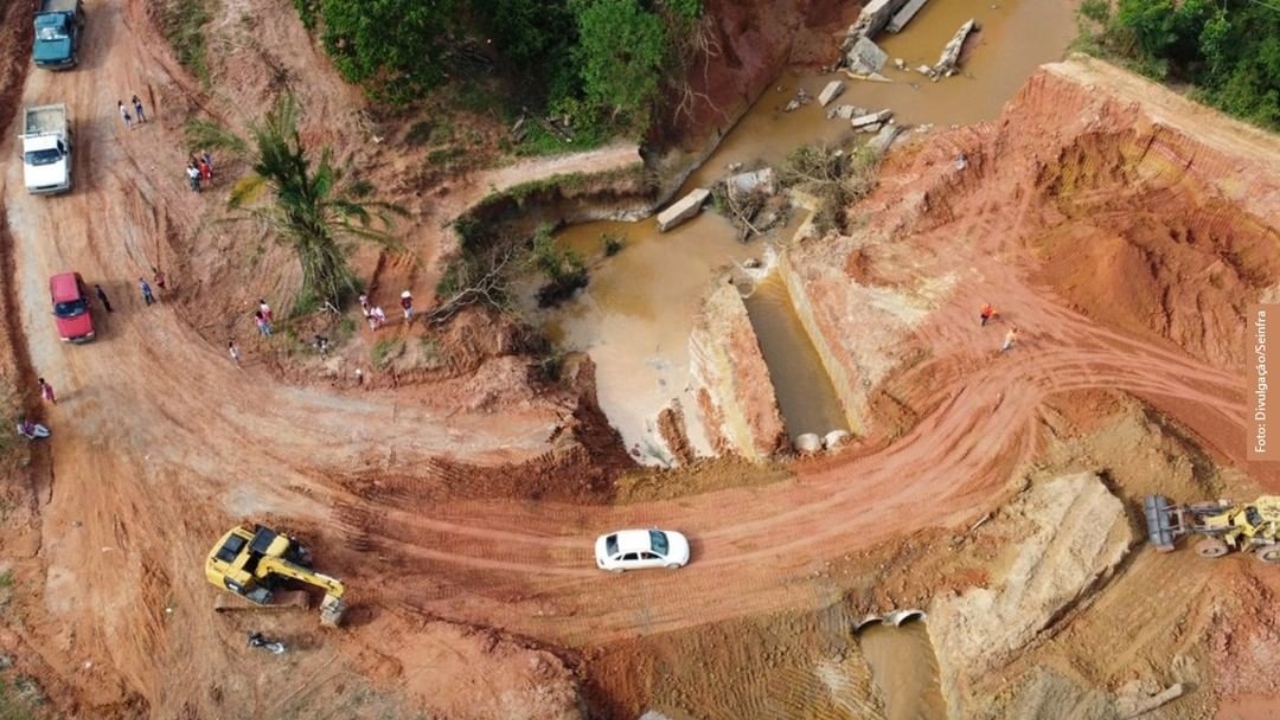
(64, 286)
(633, 541)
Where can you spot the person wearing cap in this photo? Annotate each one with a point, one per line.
(406, 303)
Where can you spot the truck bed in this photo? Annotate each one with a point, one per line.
(45, 119)
(49, 6)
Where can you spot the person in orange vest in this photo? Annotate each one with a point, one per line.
(987, 313)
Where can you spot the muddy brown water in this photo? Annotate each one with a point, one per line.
(806, 397)
(905, 671)
(636, 315)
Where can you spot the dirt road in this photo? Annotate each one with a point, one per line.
(160, 443)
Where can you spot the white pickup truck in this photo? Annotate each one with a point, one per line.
(46, 149)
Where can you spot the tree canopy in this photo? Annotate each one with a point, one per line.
(1230, 49)
(603, 56)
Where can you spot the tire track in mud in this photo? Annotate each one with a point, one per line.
(961, 453)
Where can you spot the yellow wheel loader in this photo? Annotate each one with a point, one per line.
(260, 565)
(1225, 526)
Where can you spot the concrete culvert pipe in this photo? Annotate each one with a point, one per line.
(899, 617)
(867, 622)
(808, 443)
(835, 439)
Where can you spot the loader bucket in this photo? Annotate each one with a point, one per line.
(1162, 522)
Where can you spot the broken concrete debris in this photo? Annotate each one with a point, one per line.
(830, 92)
(763, 180)
(874, 16)
(871, 119)
(879, 145)
(866, 58)
(846, 112)
(904, 15)
(801, 98)
(687, 207)
(951, 52)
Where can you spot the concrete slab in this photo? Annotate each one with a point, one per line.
(865, 57)
(904, 15)
(830, 92)
(871, 119)
(764, 180)
(683, 209)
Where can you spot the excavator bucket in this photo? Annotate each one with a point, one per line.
(1164, 522)
(331, 611)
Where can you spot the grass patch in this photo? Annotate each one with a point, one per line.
(612, 244)
(6, 580)
(182, 24)
(17, 699)
(385, 351)
(539, 141)
(838, 179)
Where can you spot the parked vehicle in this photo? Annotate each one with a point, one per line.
(59, 25)
(71, 313)
(638, 549)
(46, 149)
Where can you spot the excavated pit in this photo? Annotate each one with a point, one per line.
(806, 397)
(905, 670)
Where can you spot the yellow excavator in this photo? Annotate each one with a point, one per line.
(1225, 526)
(260, 565)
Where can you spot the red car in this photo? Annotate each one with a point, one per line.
(71, 307)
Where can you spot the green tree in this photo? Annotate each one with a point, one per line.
(622, 47)
(394, 47)
(311, 210)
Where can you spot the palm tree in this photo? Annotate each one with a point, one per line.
(312, 211)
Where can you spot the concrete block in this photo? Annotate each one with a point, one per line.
(683, 209)
(830, 92)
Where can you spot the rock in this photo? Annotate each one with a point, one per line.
(830, 92)
(925, 70)
(682, 210)
(865, 57)
(808, 443)
(871, 119)
(764, 180)
(872, 128)
(900, 63)
(734, 166)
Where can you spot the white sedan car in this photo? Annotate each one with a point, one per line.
(637, 549)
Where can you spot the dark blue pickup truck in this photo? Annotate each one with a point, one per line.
(59, 25)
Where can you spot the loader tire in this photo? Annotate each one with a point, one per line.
(1269, 554)
(1212, 548)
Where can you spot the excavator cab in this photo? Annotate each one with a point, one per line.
(258, 564)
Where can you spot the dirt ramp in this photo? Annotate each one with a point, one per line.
(1061, 537)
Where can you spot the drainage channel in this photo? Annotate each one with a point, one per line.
(904, 669)
(806, 397)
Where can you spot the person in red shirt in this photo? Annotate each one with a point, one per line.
(987, 313)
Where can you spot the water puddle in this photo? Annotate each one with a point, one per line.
(636, 315)
(905, 670)
(806, 397)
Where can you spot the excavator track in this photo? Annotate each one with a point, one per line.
(288, 600)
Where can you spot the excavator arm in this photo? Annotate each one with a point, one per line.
(331, 608)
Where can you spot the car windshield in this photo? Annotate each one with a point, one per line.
(51, 32)
(658, 541)
(611, 545)
(70, 309)
(47, 156)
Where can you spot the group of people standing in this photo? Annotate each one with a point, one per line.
(138, 113)
(200, 170)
